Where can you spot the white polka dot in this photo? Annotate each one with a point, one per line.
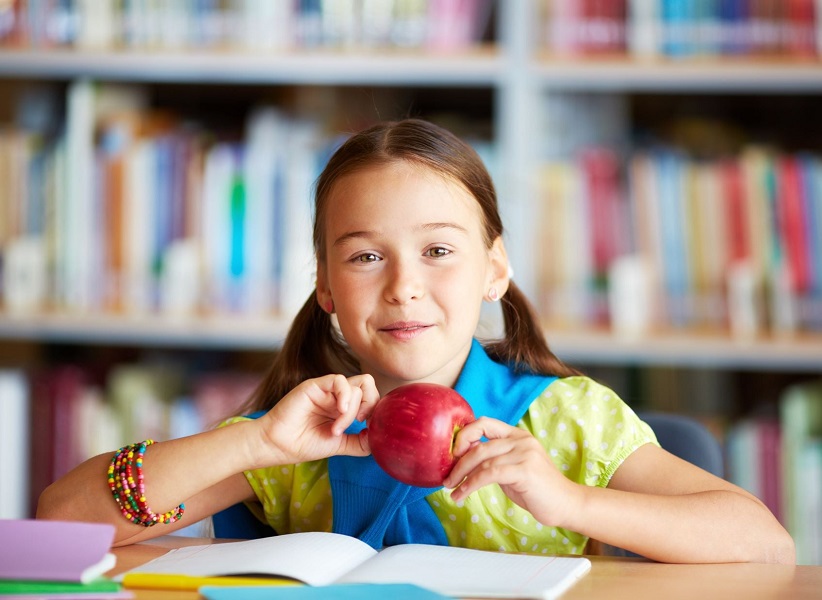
(297, 504)
(607, 397)
(510, 512)
(523, 540)
(525, 519)
(574, 407)
(566, 467)
(303, 486)
(553, 533)
(573, 446)
(494, 500)
(543, 433)
(545, 550)
(619, 425)
(436, 503)
(555, 410)
(461, 503)
(604, 445)
(319, 506)
(501, 549)
(589, 465)
(463, 535)
(565, 540)
(534, 547)
(549, 394)
(475, 518)
(452, 517)
(595, 408)
(562, 427)
(539, 526)
(569, 394)
(506, 531)
(581, 422)
(535, 413)
(612, 411)
(554, 452)
(284, 470)
(488, 534)
(599, 427)
(584, 443)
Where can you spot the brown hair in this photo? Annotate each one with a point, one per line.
(313, 347)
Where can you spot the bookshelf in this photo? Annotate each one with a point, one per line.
(511, 80)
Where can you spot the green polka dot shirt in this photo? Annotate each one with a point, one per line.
(586, 429)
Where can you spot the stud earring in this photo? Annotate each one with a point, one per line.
(493, 295)
(329, 307)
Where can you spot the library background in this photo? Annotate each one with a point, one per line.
(658, 164)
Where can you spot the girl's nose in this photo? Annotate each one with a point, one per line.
(404, 284)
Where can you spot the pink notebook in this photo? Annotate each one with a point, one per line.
(54, 550)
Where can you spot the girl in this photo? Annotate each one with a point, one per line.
(409, 245)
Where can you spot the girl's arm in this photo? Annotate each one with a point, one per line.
(205, 471)
(656, 504)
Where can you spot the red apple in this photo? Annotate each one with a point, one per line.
(412, 429)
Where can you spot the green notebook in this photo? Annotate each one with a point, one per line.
(28, 586)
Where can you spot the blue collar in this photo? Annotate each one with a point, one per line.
(381, 511)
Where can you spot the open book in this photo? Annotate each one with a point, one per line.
(320, 559)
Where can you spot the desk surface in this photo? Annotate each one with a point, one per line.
(612, 578)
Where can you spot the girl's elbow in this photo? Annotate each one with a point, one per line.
(784, 551)
(54, 505)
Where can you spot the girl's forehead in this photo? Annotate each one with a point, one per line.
(400, 186)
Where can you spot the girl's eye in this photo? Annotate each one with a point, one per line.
(366, 258)
(438, 252)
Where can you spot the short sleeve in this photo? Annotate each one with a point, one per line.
(586, 429)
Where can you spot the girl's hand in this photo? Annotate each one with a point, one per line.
(516, 461)
(308, 423)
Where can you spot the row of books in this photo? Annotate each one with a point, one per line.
(682, 28)
(131, 210)
(54, 418)
(728, 243)
(256, 25)
(779, 459)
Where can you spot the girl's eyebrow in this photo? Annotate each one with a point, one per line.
(352, 235)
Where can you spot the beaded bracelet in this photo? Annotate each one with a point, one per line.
(125, 480)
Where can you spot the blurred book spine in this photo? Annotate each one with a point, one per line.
(246, 25)
(732, 243)
(681, 29)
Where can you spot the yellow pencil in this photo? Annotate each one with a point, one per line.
(162, 581)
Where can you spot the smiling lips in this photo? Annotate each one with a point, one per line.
(405, 330)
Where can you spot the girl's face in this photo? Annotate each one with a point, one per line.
(407, 269)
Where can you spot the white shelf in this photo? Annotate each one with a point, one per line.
(479, 67)
(798, 353)
(238, 333)
(733, 76)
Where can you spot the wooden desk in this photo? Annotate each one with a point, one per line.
(612, 578)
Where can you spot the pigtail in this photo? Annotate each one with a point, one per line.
(524, 345)
(313, 347)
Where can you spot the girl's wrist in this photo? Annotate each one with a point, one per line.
(263, 447)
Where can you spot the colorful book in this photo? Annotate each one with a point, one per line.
(56, 551)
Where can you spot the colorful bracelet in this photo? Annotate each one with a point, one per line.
(125, 480)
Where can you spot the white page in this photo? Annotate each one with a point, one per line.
(314, 558)
(465, 572)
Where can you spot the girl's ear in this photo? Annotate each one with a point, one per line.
(324, 298)
(499, 271)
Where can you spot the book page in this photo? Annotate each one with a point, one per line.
(314, 558)
(463, 572)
